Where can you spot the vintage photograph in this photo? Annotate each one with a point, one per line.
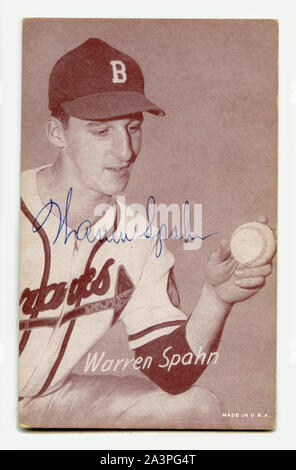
(148, 221)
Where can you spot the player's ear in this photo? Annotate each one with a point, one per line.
(55, 132)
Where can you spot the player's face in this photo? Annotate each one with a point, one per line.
(102, 153)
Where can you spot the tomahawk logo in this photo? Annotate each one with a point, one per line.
(119, 71)
(123, 291)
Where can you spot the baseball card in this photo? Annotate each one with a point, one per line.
(148, 221)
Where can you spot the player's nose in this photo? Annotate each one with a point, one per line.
(122, 146)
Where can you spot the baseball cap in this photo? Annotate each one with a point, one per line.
(97, 81)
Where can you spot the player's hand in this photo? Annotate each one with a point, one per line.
(231, 282)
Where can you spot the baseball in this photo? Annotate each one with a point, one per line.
(253, 244)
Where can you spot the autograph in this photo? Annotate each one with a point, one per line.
(83, 231)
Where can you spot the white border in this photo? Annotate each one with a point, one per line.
(12, 11)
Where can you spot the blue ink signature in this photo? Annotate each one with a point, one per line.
(84, 228)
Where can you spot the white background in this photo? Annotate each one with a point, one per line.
(12, 13)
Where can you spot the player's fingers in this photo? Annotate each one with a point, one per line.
(222, 253)
(225, 251)
(253, 272)
(250, 282)
(262, 219)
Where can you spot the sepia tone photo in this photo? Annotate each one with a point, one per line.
(148, 224)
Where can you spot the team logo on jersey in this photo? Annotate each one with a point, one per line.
(80, 288)
(51, 296)
(123, 292)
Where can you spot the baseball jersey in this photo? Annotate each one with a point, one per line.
(72, 291)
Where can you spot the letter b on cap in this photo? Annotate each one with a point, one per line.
(119, 71)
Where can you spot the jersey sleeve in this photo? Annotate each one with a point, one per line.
(180, 377)
(154, 309)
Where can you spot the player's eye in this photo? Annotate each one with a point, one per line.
(134, 128)
(102, 132)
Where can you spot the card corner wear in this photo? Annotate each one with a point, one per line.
(147, 275)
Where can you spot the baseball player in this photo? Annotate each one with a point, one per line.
(75, 285)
